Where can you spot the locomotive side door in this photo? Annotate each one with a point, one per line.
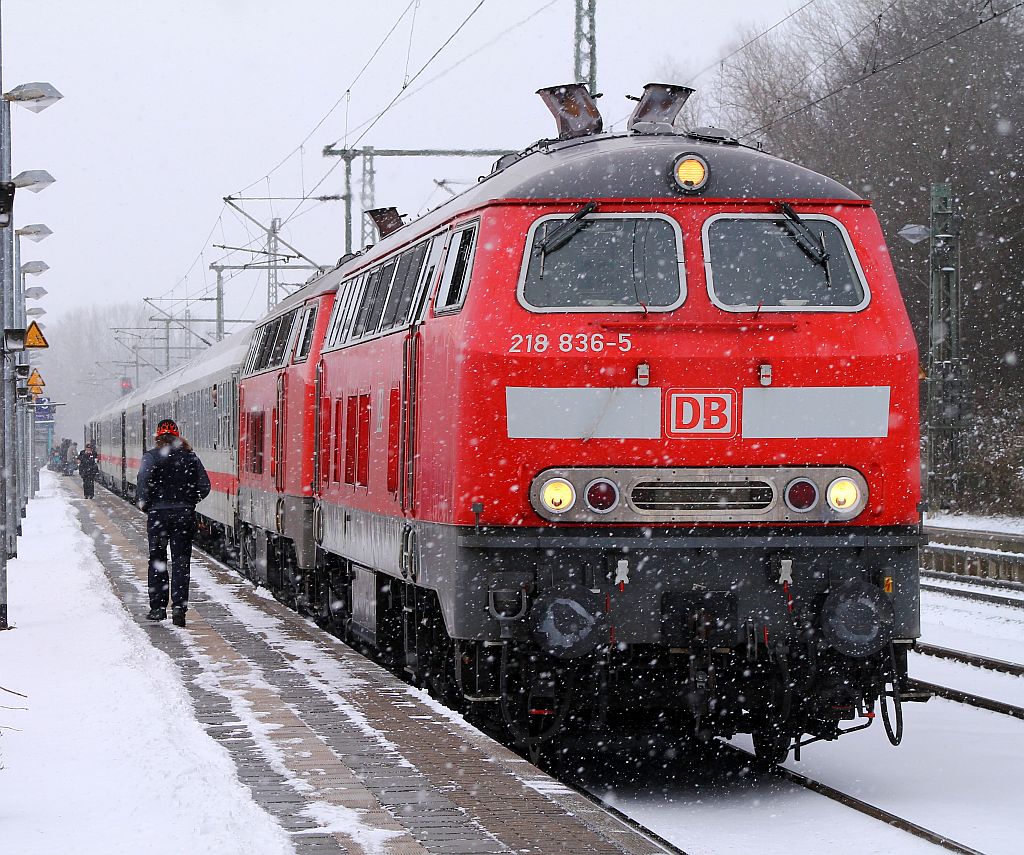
(279, 433)
(321, 432)
(411, 372)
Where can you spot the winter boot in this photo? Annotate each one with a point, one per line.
(178, 615)
(157, 614)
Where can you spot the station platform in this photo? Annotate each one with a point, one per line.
(317, 731)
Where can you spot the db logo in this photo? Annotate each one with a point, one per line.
(700, 412)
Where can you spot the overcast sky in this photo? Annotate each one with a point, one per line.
(170, 106)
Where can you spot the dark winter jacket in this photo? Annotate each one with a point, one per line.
(87, 467)
(171, 476)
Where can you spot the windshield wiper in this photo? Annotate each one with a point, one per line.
(565, 231)
(812, 245)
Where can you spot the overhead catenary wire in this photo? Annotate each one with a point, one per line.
(880, 70)
(372, 123)
(431, 80)
(747, 44)
(346, 94)
(407, 92)
(721, 60)
(875, 22)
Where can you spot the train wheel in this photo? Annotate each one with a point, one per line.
(771, 744)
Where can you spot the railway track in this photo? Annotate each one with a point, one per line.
(978, 596)
(871, 810)
(974, 659)
(977, 661)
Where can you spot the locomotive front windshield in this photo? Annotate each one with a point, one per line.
(772, 262)
(602, 263)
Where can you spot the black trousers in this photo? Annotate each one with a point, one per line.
(174, 526)
(88, 485)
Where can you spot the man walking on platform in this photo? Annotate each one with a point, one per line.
(87, 468)
(172, 481)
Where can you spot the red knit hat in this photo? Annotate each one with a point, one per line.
(167, 426)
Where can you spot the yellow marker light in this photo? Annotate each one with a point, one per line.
(843, 495)
(691, 172)
(557, 496)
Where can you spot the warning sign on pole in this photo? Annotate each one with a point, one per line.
(34, 336)
(35, 379)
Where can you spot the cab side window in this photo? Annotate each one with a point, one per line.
(305, 337)
(458, 267)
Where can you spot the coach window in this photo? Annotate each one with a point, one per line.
(773, 263)
(458, 267)
(603, 263)
(305, 337)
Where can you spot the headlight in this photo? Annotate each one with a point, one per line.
(843, 495)
(557, 496)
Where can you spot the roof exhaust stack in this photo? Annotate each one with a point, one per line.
(387, 220)
(658, 107)
(573, 107)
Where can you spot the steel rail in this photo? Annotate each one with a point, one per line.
(624, 818)
(866, 808)
(982, 581)
(969, 699)
(975, 659)
(979, 596)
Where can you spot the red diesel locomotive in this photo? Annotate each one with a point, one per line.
(625, 437)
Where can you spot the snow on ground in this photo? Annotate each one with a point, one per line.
(972, 522)
(107, 757)
(973, 627)
(957, 771)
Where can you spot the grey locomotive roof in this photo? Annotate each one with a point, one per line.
(639, 166)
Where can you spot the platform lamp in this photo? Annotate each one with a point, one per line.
(26, 438)
(33, 97)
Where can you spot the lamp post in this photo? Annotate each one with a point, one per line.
(34, 97)
(27, 436)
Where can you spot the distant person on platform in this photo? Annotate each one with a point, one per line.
(71, 459)
(172, 481)
(87, 468)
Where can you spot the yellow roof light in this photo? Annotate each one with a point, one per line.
(690, 172)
